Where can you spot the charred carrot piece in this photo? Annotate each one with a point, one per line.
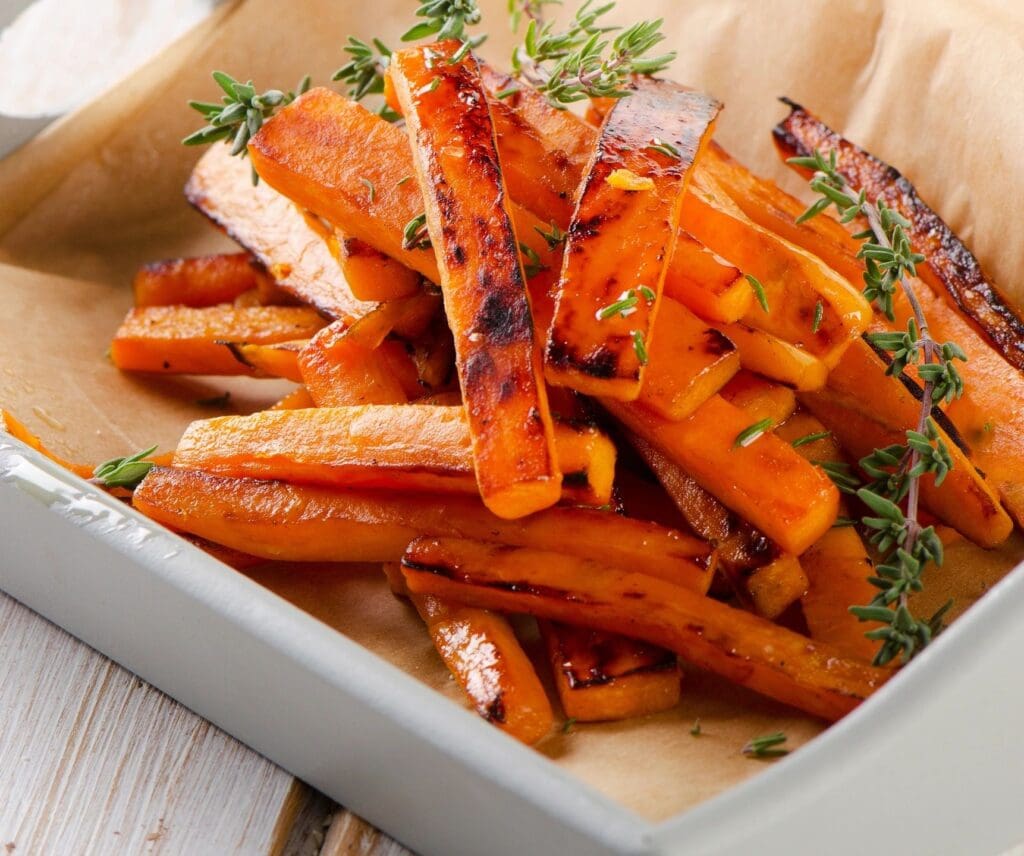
(369, 273)
(865, 409)
(201, 281)
(481, 277)
(603, 676)
(756, 475)
(741, 647)
(183, 340)
(621, 235)
(950, 267)
(306, 523)
(772, 357)
(280, 359)
(274, 231)
(17, 429)
(481, 650)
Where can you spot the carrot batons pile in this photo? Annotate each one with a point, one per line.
(500, 317)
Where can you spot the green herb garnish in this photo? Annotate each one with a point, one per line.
(124, 472)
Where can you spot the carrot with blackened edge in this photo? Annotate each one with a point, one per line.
(200, 281)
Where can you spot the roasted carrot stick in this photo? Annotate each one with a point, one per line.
(263, 221)
(484, 656)
(735, 644)
(760, 398)
(297, 399)
(706, 283)
(775, 586)
(772, 357)
(765, 481)
(481, 277)
(369, 273)
(306, 523)
(622, 233)
(280, 359)
(183, 340)
(603, 676)
(202, 281)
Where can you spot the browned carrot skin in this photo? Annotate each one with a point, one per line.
(620, 238)
(305, 523)
(603, 676)
(280, 359)
(739, 646)
(201, 281)
(950, 266)
(183, 340)
(481, 278)
(274, 231)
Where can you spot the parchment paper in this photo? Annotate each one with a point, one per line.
(932, 86)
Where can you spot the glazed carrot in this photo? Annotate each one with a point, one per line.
(741, 647)
(280, 359)
(297, 399)
(481, 651)
(621, 235)
(772, 357)
(305, 523)
(866, 410)
(777, 585)
(603, 676)
(706, 283)
(369, 273)
(183, 340)
(287, 243)
(760, 398)
(765, 482)
(320, 150)
(397, 447)
(202, 281)
(689, 362)
(950, 267)
(10, 424)
(481, 277)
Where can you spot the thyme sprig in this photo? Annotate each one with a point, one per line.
(447, 19)
(581, 62)
(123, 472)
(896, 470)
(240, 113)
(365, 70)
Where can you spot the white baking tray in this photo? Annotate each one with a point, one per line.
(933, 763)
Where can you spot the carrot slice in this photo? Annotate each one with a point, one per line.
(950, 267)
(369, 273)
(305, 523)
(776, 586)
(268, 225)
(297, 399)
(481, 651)
(603, 676)
(622, 233)
(706, 283)
(765, 481)
(772, 357)
(280, 359)
(399, 447)
(183, 340)
(741, 647)
(481, 278)
(866, 410)
(760, 398)
(202, 281)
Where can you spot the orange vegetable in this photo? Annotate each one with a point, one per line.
(280, 359)
(760, 398)
(774, 587)
(481, 278)
(297, 399)
(706, 283)
(481, 651)
(741, 647)
(305, 523)
(290, 246)
(202, 281)
(765, 482)
(772, 357)
(622, 233)
(604, 676)
(689, 362)
(867, 410)
(370, 274)
(16, 429)
(400, 447)
(183, 340)
(950, 267)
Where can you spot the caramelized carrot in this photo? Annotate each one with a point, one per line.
(481, 277)
(772, 357)
(297, 399)
(202, 281)
(280, 359)
(369, 273)
(765, 482)
(287, 243)
(760, 398)
(741, 647)
(305, 523)
(183, 340)
(603, 676)
(621, 235)
(706, 283)
(775, 586)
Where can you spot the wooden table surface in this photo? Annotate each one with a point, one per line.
(93, 760)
